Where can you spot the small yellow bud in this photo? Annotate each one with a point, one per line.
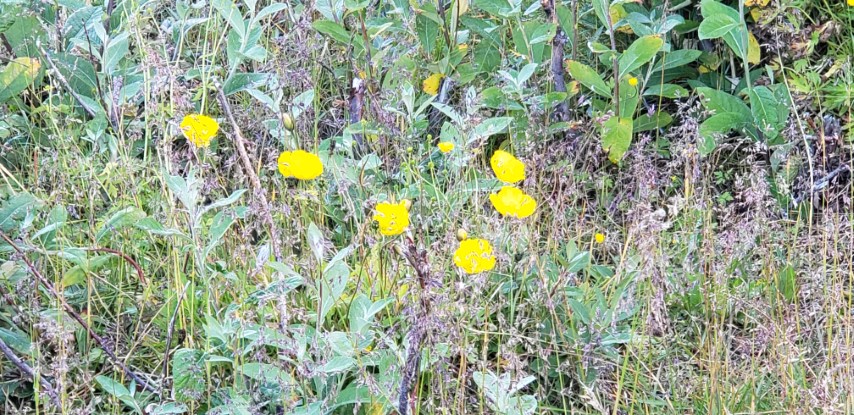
(462, 235)
(288, 121)
(406, 203)
(599, 238)
(633, 81)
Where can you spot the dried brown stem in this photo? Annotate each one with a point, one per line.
(418, 260)
(558, 43)
(76, 316)
(30, 373)
(240, 143)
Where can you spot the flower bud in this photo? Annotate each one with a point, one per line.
(462, 235)
(406, 203)
(288, 121)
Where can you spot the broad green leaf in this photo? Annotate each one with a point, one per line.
(14, 210)
(315, 242)
(715, 126)
(735, 38)
(169, 408)
(117, 49)
(426, 28)
(648, 122)
(267, 372)
(490, 126)
(18, 74)
(629, 99)
(787, 283)
(719, 102)
(333, 30)
(589, 78)
(244, 81)
(768, 115)
(672, 91)
(639, 53)
(715, 26)
(229, 11)
(122, 218)
(616, 137)
(188, 375)
(676, 59)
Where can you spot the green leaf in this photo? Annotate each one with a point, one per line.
(768, 115)
(117, 49)
(676, 59)
(719, 101)
(648, 122)
(188, 375)
(169, 408)
(427, 28)
(639, 53)
(672, 91)
(122, 218)
(315, 241)
(787, 283)
(721, 17)
(18, 74)
(267, 372)
(490, 126)
(589, 78)
(243, 81)
(228, 10)
(616, 137)
(333, 30)
(713, 27)
(13, 212)
(717, 125)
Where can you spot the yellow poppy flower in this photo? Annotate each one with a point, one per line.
(510, 201)
(300, 164)
(851, 3)
(633, 81)
(432, 83)
(507, 168)
(474, 256)
(393, 218)
(199, 129)
(446, 146)
(599, 238)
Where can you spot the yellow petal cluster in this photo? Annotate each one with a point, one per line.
(507, 168)
(199, 129)
(511, 201)
(474, 256)
(393, 218)
(599, 238)
(446, 147)
(432, 83)
(300, 164)
(633, 81)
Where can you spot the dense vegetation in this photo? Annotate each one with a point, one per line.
(379, 207)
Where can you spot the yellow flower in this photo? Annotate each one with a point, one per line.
(393, 218)
(510, 201)
(474, 256)
(462, 47)
(507, 168)
(633, 81)
(851, 3)
(432, 83)
(199, 129)
(446, 146)
(300, 164)
(599, 238)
